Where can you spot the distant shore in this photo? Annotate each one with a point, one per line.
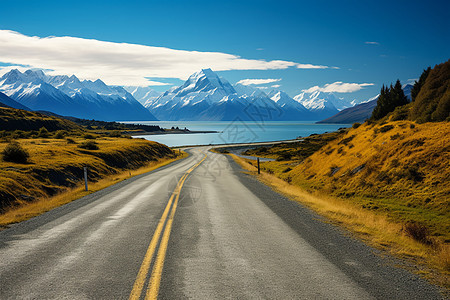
(170, 131)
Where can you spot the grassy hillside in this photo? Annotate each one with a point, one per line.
(387, 181)
(432, 104)
(16, 119)
(398, 168)
(55, 151)
(55, 165)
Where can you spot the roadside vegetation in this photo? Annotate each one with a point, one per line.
(42, 168)
(386, 179)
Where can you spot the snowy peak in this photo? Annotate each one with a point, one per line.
(15, 76)
(204, 81)
(35, 74)
(407, 90)
(248, 91)
(278, 96)
(321, 101)
(69, 96)
(206, 96)
(143, 94)
(285, 101)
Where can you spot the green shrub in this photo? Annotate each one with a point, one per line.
(356, 125)
(418, 231)
(287, 170)
(115, 133)
(20, 134)
(284, 156)
(89, 145)
(89, 136)
(413, 173)
(43, 133)
(15, 153)
(395, 136)
(60, 134)
(385, 128)
(346, 140)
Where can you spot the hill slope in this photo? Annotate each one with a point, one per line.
(358, 113)
(432, 104)
(6, 101)
(56, 165)
(399, 168)
(16, 119)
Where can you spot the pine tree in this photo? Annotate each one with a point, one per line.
(388, 100)
(398, 96)
(378, 111)
(418, 84)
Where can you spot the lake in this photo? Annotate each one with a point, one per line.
(238, 131)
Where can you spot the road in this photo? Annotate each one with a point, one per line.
(198, 228)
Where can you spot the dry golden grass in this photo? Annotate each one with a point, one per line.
(54, 173)
(378, 230)
(26, 210)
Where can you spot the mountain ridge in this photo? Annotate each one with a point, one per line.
(66, 95)
(206, 96)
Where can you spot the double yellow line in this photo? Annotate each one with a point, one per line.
(155, 278)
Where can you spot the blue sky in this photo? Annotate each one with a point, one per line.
(304, 43)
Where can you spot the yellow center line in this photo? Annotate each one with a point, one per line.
(143, 271)
(155, 280)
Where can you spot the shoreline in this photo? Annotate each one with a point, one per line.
(234, 145)
(170, 132)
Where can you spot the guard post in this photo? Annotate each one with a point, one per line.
(85, 178)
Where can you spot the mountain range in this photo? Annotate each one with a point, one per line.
(208, 97)
(68, 96)
(203, 96)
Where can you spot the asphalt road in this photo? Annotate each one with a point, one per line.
(194, 229)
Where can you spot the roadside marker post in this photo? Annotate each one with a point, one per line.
(259, 169)
(85, 178)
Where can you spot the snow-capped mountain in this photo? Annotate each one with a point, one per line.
(407, 90)
(323, 104)
(283, 100)
(142, 94)
(320, 100)
(69, 96)
(248, 91)
(197, 99)
(206, 96)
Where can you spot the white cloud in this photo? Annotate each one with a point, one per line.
(372, 43)
(276, 86)
(338, 87)
(257, 81)
(121, 63)
(310, 66)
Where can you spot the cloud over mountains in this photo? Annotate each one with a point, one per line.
(121, 63)
(338, 87)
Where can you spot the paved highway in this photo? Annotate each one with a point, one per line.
(199, 229)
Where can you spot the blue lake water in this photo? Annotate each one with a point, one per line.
(231, 132)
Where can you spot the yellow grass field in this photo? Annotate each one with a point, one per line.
(54, 174)
(389, 183)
